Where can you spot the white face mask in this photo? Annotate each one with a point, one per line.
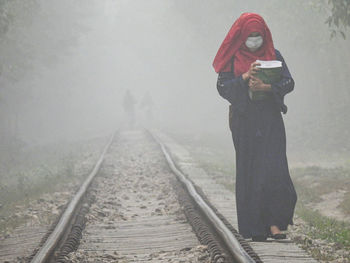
(254, 43)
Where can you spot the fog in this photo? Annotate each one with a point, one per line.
(70, 69)
(74, 61)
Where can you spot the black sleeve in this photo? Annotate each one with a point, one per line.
(234, 89)
(284, 86)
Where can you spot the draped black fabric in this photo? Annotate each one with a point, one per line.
(265, 194)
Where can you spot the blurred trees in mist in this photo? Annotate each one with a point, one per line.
(34, 35)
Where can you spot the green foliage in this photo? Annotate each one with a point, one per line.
(4, 17)
(345, 204)
(313, 181)
(340, 16)
(322, 227)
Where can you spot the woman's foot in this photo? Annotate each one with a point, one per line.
(276, 233)
(275, 230)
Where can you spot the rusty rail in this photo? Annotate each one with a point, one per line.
(237, 251)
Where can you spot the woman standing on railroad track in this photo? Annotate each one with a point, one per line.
(265, 195)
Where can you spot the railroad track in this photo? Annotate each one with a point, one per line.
(132, 208)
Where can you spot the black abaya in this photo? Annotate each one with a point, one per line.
(265, 194)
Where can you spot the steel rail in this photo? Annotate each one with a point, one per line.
(239, 254)
(45, 252)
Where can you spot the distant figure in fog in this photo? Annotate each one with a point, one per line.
(129, 108)
(265, 195)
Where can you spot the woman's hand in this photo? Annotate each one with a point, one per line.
(256, 84)
(252, 70)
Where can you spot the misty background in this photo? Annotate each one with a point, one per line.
(65, 67)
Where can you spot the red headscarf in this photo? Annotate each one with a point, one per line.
(234, 45)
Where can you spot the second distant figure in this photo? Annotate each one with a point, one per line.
(129, 108)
